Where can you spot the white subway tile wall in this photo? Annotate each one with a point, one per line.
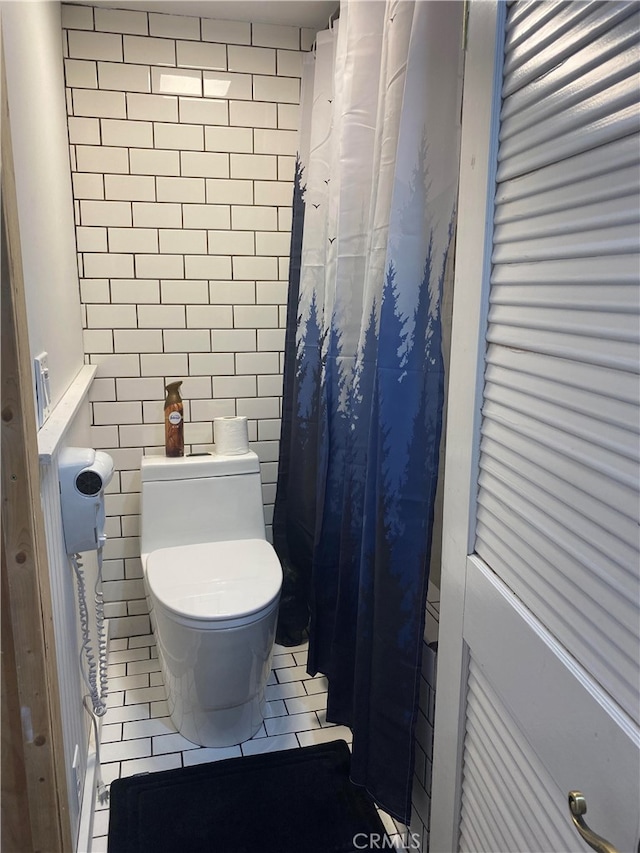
(183, 134)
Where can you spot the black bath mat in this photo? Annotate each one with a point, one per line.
(294, 801)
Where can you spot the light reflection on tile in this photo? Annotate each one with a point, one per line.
(167, 81)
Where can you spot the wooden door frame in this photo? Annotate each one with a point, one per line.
(35, 809)
(480, 123)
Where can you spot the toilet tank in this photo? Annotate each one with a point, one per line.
(196, 499)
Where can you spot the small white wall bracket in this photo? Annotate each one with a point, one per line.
(43, 389)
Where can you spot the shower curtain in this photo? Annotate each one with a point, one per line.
(374, 198)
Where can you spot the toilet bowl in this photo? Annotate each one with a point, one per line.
(213, 586)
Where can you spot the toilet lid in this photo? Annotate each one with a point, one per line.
(215, 580)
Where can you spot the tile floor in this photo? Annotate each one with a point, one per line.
(138, 735)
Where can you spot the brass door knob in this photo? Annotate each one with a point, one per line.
(578, 807)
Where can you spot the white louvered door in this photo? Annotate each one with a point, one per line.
(538, 675)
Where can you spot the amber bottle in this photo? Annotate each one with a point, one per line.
(173, 421)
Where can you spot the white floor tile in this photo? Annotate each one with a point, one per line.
(144, 694)
(324, 735)
(125, 713)
(128, 682)
(118, 645)
(433, 609)
(300, 658)
(148, 728)
(151, 765)
(101, 823)
(104, 806)
(129, 654)
(125, 750)
(171, 743)
(142, 640)
(387, 822)
(299, 705)
(319, 684)
(206, 754)
(284, 691)
(282, 660)
(135, 667)
(160, 709)
(291, 723)
(322, 716)
(99, 845)
(111, 733)
(281, 650)
(293, 673)
(109, 772)
(115, 670)
(269, 744)
(400, 827)
(275, 709)
(155, 679)
(115, 699)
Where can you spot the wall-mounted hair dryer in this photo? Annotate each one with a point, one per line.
(84, 474)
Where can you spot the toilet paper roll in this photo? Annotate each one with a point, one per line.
(230, 435)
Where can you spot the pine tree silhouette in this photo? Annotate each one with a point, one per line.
(338, 418)
(397, 563)
(422, 318)
(290, 354)
(360, 407)
(292, 513)
(308, 373)
(350, 698)
(424, 361)
(332, 438)
(413, 549)
(358, 393)
(304, 444)
(393, 398)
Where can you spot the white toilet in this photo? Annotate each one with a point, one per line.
(213, 586)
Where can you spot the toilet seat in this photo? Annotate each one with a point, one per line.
(215, 585)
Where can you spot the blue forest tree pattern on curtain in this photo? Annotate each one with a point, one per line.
(364, 372)
(365, 438)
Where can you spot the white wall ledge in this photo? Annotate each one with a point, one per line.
(52, 432)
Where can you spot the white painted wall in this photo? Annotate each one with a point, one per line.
(31, 34)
